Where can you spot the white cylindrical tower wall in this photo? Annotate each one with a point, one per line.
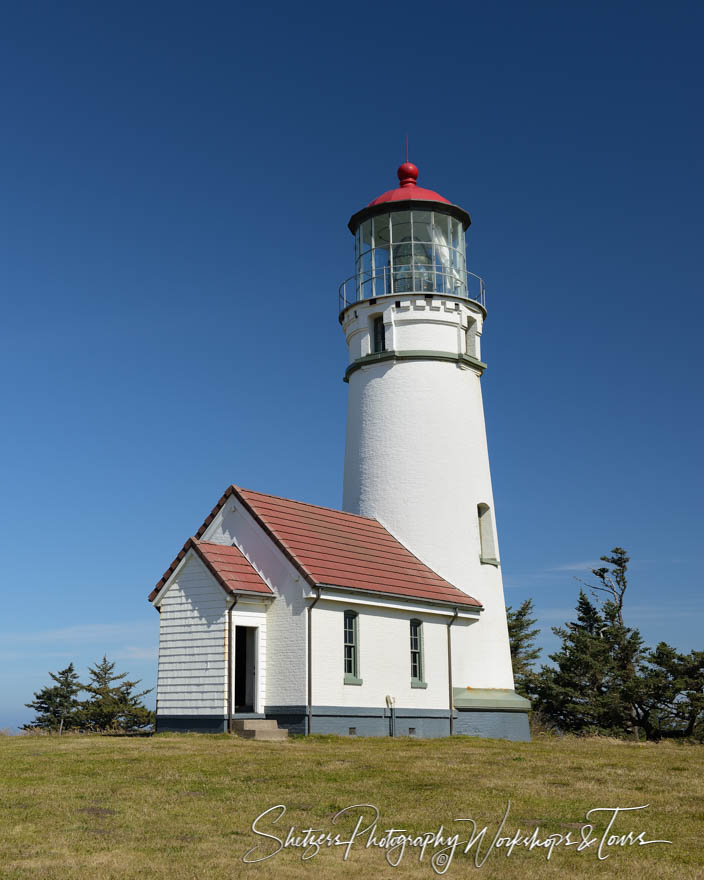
(416, 455)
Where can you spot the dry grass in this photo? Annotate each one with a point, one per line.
(182, 806)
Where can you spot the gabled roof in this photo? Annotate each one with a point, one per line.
(336, 549)
(230, 568)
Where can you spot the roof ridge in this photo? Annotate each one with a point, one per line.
(305, 503)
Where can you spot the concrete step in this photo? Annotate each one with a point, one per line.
(264, 734)
(239, 724)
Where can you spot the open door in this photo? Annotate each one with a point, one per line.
(245, 668)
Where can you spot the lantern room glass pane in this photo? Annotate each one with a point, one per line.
(421, 226)
(401, 228)
(456, 233)
(381, 231)
(423, 275)
(422, 254)
(366, 274)
(441, 228)
(366, 235)
(381, 258)
(441, 238)
(382, 240)
(402, 252)
(441, 251)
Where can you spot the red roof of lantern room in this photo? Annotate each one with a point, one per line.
(398, 200)
(329, 548)
(409, 189)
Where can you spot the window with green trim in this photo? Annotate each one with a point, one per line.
(416, 651)
(378, 334)
(351, 648)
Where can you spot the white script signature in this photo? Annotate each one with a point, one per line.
(440, 846)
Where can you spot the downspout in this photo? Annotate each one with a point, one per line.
(229, 665)
(391, 706)
(310, 659)
(450, 695)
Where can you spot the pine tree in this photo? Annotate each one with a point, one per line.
(627, 644)
(56, 705)
(598, 684)
(605, 681)
(523, 650)
(671, 700)
(594, 682)
(113, 705)
(612, 581)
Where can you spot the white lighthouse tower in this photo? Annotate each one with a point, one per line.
(386, 618)
(416, 454)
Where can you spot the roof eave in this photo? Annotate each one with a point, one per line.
(408, 205)
(445, 603)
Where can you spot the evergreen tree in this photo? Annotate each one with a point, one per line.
(113, 705)
(612, 581)
(523, 651)
(594, 683)
(56, 705)
(671, 699)
(604, 679)
(627, 644)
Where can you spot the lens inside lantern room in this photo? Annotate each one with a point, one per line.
(410, 252)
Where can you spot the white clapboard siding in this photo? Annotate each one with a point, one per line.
(283, 653)
(192, 669)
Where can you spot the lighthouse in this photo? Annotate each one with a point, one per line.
(386, 618)
(416, 456)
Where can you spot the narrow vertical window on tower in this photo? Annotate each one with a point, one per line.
(417, 654)
(471, 346)
(487, 542)
(351, 648)
(378, 334)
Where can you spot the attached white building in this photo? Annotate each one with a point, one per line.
(388, 618)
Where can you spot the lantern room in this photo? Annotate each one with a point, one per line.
(410, 240)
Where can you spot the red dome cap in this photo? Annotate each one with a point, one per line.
(407, 191)
(408, 175)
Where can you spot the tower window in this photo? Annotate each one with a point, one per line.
(378, 335)
(351, 648)
(487, 541)
(417, 654)
(472, 340)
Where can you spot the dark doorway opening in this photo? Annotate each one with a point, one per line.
(245, 642)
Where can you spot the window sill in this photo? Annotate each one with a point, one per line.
(489, 560)
(415, 683)
(352, 679)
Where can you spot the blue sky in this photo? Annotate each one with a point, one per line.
(176, 183)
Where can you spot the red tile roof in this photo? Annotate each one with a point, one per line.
(230, 568)
(332, 548)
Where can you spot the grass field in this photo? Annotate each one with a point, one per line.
(177, 807)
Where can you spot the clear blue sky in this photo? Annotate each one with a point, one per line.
(176, 182)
